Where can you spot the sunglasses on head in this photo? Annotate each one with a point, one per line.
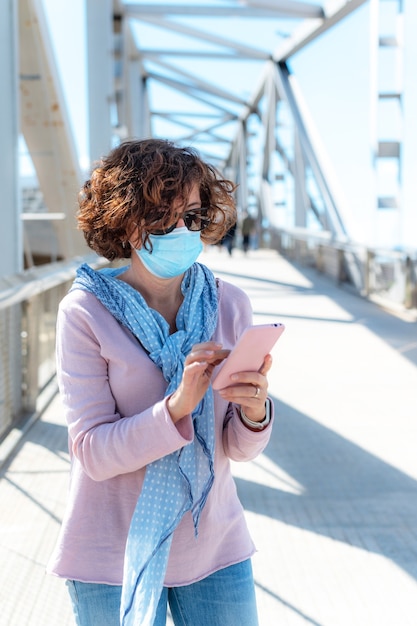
(195, 220)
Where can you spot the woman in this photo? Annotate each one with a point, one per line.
(153, 516)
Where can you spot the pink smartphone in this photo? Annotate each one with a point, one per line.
(249, 352)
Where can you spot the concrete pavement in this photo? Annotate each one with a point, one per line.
(332, 503)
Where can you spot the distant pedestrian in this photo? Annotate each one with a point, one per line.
(248, 228)
(228, 240)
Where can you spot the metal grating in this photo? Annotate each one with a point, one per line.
(10, 367)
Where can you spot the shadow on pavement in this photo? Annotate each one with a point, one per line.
(346, 494)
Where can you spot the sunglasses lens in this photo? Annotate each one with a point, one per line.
(193, 220)
(196, 220)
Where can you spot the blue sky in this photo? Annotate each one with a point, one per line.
(334, 76)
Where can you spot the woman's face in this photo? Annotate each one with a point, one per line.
(176, 247)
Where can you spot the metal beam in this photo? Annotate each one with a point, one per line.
(189, 90)
(309, 30)
(286, 86)
(203, 85)
(186, 114)
(152, 53)
(208, 130)
(172, 118)
(100, 75)
(134, 92)
(290, 8)
(281, 8)
(11, 231)
(201, 35)
(45, 125)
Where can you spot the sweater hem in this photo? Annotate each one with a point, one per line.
(167, 583)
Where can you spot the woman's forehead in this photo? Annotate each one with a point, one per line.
(193, 197)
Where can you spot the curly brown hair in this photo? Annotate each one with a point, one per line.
(135, 187)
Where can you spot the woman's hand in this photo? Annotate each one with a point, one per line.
(198, 368)
(250, 391)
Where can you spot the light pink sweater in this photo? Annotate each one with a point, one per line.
(118, 422)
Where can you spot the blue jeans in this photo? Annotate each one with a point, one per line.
(226, 598)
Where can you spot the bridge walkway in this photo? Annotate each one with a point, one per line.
(331, 504)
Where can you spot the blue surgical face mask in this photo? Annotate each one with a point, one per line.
(172, 254)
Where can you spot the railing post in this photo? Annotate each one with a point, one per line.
(30, 356)
(367, 276)
(341, 273)
(10, 367)
(319, 258)
(410, 297)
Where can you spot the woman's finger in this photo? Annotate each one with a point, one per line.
(266, 365)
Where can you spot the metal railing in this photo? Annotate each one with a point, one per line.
(28, 308)
(385, 276)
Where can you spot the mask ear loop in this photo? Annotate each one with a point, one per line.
(128, 241)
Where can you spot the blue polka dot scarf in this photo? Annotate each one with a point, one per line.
(181, 481)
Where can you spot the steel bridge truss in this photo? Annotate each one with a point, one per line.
(121, 75)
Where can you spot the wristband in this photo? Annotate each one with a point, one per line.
(257, 425)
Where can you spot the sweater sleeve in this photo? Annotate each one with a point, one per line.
(106, 440)
(241, 443)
